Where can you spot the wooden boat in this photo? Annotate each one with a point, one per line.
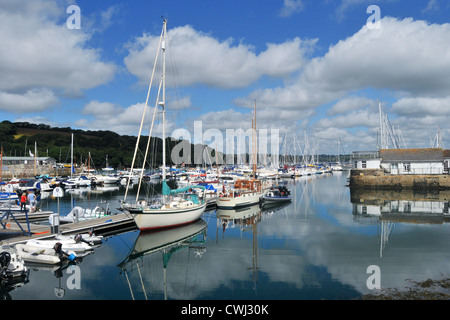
(244, 193)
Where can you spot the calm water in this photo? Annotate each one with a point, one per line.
(318, 247)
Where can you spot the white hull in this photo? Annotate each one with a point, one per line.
(245, 199)
(15, 267)
(150, 219)
(67, 245)
(37, 254)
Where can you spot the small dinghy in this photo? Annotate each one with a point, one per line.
(12, 266)
(37, 254)
(67, 245)
(88, 238)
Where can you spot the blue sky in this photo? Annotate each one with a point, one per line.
(315, 68)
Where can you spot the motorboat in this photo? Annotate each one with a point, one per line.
(276, 194)
(12, 265)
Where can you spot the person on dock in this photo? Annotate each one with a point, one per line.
(23, 201)
(32, 200)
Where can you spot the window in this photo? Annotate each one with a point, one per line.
(407, 167)
(364, 164)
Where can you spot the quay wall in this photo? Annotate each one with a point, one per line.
(378, 179)
(27, 171)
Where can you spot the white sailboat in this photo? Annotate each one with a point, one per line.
(177, 207)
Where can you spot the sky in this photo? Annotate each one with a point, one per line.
(316, 70)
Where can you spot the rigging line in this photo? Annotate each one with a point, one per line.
(148, 142)
(129, 284)
(143, 115)
(177, 84)
(142, 282)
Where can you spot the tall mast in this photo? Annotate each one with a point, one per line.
(255, 155)
(163, 103)
(1, 163)
(35, 157)
(71, 157)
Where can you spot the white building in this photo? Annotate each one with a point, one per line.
(28, 160)
(404, 161)
(366, 160)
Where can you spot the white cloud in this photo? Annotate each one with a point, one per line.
(405, 55)
(357, 118)
(101, 110)
(290, 7)
(34, 100)
(202, 59)
(417, 107)
(39, 51)
(349, 104)
(433, 5)
(404, 59)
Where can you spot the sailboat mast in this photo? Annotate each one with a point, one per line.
(35, 158)
(71, 157)
(255, 155)
(163, 103)
(1, 163)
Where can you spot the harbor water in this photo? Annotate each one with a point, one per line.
(323, 245)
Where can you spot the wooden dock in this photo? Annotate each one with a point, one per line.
(105, 226)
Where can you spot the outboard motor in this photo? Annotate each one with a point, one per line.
(58, 249)
(5, 259)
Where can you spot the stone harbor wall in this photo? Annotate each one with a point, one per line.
(27, 171)
(378, 179)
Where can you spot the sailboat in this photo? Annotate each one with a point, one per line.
(246, 192)
(177, 207)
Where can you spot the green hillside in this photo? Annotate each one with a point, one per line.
(18, 139)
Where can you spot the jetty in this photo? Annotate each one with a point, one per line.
(13, 233)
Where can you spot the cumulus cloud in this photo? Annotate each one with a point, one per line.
(34, 100)
(405, 56)
(349, 104)
(39, 51)
(416, 107)
(203, 59)
(290, 7)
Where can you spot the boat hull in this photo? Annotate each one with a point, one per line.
(151, 219)
(268, 199)
(236, 202)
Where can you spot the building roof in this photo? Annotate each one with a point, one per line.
(26, 158)
(446, 154)
(427, 154)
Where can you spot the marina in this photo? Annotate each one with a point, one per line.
(318, 246)
(154, 151)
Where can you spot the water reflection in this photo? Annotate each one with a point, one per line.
(317, 247)
(386, 208)
(162, 245)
